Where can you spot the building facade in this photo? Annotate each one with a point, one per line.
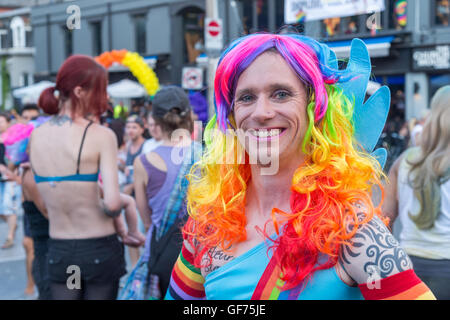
(16, 53)
(169, 32)
(409, 48)
(409, 45)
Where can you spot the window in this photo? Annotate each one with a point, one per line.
(140, 28)
(3, 39)
(442, 10)
(398, 19)
(193, 26)
(25, 79)
(255, 15)
(331, 26)
(265, 16)
(18, 32)
(436, 82)
(350, 25)
(68, 41)
(96, 38)
(29, 38)
(279, 13)
(262, 15)
(247, 16)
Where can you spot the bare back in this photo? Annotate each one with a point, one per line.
(74, 207)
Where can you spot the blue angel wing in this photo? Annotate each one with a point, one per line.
(381, 155)
(370, 117)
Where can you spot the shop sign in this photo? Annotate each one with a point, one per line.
(431, 58)
(307, 10)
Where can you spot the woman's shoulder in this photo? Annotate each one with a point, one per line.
(101, 133)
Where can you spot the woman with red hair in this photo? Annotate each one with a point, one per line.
(85, 257)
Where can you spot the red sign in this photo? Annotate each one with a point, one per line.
(213, 28)
(213, 34)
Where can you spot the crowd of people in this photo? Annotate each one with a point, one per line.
(84, 170)
(101, 182)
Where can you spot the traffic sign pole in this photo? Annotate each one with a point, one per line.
(212, 13)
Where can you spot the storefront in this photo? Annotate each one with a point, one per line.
(435, 62)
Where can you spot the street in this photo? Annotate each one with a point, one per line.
(12, 265)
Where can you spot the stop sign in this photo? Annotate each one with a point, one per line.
(213, 34)
(213, 28)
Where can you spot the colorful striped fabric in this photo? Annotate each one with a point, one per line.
(187, 281)
(401, 286)
(270, 286)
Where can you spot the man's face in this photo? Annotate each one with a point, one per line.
(31, 114)
(270, 107)
(3, 124)
(133, 130)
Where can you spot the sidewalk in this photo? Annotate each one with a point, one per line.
(17, 252)
(12, 264)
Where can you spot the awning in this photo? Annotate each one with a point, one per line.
(31, 93)
(126, 89)
(378, 47)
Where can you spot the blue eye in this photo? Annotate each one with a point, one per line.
(281, 95)
(246, 98)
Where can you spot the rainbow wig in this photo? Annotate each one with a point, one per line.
(337, 173)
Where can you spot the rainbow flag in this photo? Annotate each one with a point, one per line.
(400, 12)
(300, 16)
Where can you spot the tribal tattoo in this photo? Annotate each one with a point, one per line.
(373, 250)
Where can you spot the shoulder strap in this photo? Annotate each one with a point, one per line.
(81, 146)
(159, 246)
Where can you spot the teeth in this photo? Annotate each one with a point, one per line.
(265, 133)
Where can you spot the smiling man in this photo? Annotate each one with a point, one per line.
(309, 230)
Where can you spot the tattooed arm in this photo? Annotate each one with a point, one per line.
(374, 253)
(380, 267)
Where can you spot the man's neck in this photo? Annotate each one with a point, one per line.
(268, 191)
(136, 143)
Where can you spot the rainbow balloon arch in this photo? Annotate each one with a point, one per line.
(137, 65)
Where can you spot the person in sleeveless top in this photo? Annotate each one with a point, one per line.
(134, 130)
(155, 176)
(280, 203)
(418, 193)
(67, 154)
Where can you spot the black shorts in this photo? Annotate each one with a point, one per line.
(99, 260)
(26, 226)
